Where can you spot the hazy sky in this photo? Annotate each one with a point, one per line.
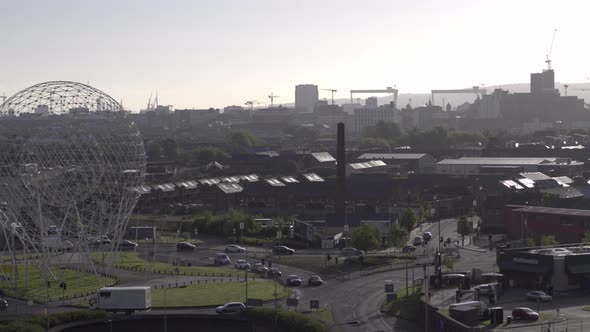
(215, 53)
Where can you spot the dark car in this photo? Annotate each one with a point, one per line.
(185, 246)
(282, 250)
(129, 245)
(524, 313)
(315, 280)
(427, 236)
(274, 272)
(293, 280)
(408, 248)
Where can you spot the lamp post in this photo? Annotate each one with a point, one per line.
(145, 260)
(165, 311)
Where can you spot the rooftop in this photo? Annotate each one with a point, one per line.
(398, 156)
(274, 182)
(312, 177)
(508, 161)
(323, 157)
(368, 164)
(558, 211)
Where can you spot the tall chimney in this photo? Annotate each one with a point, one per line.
(340, 176)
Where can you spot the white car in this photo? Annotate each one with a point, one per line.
(351, 252)
(231, 307)
(539, 296)
(234, 248)
(242, 264)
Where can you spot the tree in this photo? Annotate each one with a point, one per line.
(464, 227)
(549, 240)
(240, 140)
(169, 149)
(408, 220)
(389, 131)
(366, 237)
(397, 236)
(530, 242)
(586, 237)
(154, 151)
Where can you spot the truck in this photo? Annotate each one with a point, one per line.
(124, 299)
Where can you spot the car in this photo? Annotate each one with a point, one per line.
(485, 289)
(282, 250)
(230, 307)
(427, 236)
(315, 280)
(351, 252)
(274, 272)
(538, 296)
(3, 304)
(293, 280)
(221, 259)
(126, 244)
(260, 268)
(524, 313)
(234, 248)
(242, 264)
(185, 246)
(418, 241)
(408, 248)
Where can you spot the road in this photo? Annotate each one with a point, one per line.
(354, 303)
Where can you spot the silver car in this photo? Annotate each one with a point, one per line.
(539, 296)
(231, 307)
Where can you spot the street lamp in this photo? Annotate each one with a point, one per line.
(165, 311)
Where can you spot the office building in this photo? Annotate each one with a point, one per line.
(306, 97)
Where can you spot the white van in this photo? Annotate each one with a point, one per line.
(485, 289)
(222, 259)
(482, 308)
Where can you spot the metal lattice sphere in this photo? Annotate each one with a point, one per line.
(69, 158)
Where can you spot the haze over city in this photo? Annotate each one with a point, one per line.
(215, 53)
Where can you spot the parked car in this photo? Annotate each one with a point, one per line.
(260, 268)
(293, 280)
(539, 296)
(242, 264)
(524, 313)
(234, 248)
(427, 236)
(282, 250)
(126, 244)
(221, 259)
(315, 280)
(485, 289)
(408, 248)
(274, 272)
(351, 252)
(185, 246)
(3, 304)
(418, 241)
(230, 307)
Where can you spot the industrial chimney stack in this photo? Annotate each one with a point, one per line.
(340, 176)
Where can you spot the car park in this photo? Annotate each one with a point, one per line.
(221, 259)
(524, 313)
(539, 296)
(231, 307)
(351, 252)
(293, 280)
(129, 245)
(315, 280)
(282, 250)
(242, 264)
(408, 248)
(234, 248)
(185, 246)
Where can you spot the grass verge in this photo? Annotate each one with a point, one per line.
(39, 323)
(321, 265)
(216, 294)
(31, 284)
(132, 261)
(406, 306)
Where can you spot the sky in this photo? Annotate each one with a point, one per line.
(215, 53)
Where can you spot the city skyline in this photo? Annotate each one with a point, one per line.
(201, 54)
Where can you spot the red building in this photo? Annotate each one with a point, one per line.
(567, 225)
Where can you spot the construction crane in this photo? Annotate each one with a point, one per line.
(548, 61)
(272, 97)
(565, 86)
(332, 91)
(251, 103)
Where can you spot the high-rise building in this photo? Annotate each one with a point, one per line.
(364, 117)
(371, 102)
(306, 96)
(543, 82)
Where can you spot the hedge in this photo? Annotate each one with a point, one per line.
(288, 321)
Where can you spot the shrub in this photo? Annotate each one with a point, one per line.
(288, 321)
